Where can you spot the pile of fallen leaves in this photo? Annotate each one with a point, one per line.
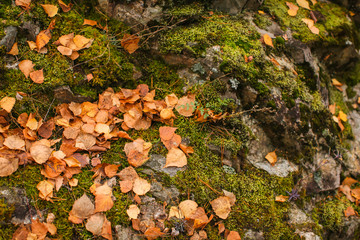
(352, 194)
(87, 129)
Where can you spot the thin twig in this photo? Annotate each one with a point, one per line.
(206, 184)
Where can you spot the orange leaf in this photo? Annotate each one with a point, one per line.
(45, 189)
(188, 207)
(186, 105)
(292, 9)
(268, 40)
(26, 67)
(221, 206)
(42, 39)
(153, 233)
(141, 186)
(349, 212)
(271, 157)
(303, 4)
(14, 50)
(281, 198)
(51, 10)
(233, 235)
(65, 50)
(133, 211)
(32, 45)
(37, 76)
(130, 43)
(8, 166)
(65, 7)
(81, 209)
(89, 22)
(103, 200)
(7, 103)
(23, 3)
(175, 158)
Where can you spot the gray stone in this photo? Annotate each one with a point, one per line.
(126, 233)
(349, 230)
(308, 235)
(64, 95)
(32, 28)
(164, 194)
(297, 217)
(151, 209)
(157, 163)
(253, 235)
(9, 39)
(260, 147)
(327, 172)
(23, 211)
(236, 6)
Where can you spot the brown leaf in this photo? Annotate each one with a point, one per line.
(137, 152)
(271, 157)
(15, 142)
(85, 141)
(200, 218)
(25, 4)
(40, 152)
(281, 198)
(14, 49)
(21, 233)
(349, 211)
(7, 103)
(186, 149)
(130, 43)
(349, 181)
(46, 129)
(303, 4)
(186, 105)
(233, 235)
(111, 169)
(171, 100)
(81, 41)
(51, 10)
(8, 166)
(310, 24)
(81, 209)
(356, 193)
(39, 229)
(45, 189)
(153, 233)
(90, 22)
(65, 7)
(95, 223)
(103, 200)
(188, 207)
(221, 227)
(32, 45)
(65, 50)
(268, 40)
(26, 67)
(37, 76)
(42, 39)
(292, 9)
(126, 186)
(133, 211)
(175, 158)
(141, 186)
(231, 197)
(221, 206)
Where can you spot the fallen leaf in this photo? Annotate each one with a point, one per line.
(126, 186)
(42, 39)
(268, 40)
(90, 22)
(137, 152)
(221, 206)
(45, 188)
(128, 174)
(103, 200)
(65, 50)
(271, 157)
(14, 142)
(153, 233)
(14, 50)
(332, 109)
(303, 4)
(188, 207)
(37, 76)
(313, 2)
(169, 138)
(65, 7)
(349, 181)
(40, 152)
(111, 169)
(171, 100)
(186, 105)
(345, 189)
(141, 186)
(95, 223)
(32, 45)
(175, 158)
(81, 41)
(89, 77)
(292, 9)
(310, 24)
(342, 116)
(8, 166)
(175, 212)
(26, 67)
(130, 43)
(231, 197)
(221, 228)
(54, 167)
(356, 193)
(46, 129)
(25, 4)
(7, 103)
(186, 149)
(51, 10)
(281, 198)
(38, 229)
(349, 211)
(81, 209)
(335, 82)
(233, 235)
(200, 218)
(133, 211)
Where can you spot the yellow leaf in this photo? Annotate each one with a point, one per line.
(7, 103)
(342, 116)
(303, 3)
(51, 10)
(268, 40)
(271, 157)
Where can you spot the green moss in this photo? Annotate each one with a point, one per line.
(262, 21)
(189, 10)
(330, 213)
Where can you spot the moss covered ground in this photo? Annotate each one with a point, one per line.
(111, 66)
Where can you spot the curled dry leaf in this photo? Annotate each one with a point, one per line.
(45, 189)
(133, 211)
(268, 40)
(90, 22)
(51, 10)
(137, 152)
(175, 158)
(14, 50)
(8, 166)
(188, 207)
(37, 76)
(65, 7)
(141, 186)
(81, 209)
(7, 103)
(153, 233)
(26, 67)
(221, 206)
(271, 157)
(186, 105)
